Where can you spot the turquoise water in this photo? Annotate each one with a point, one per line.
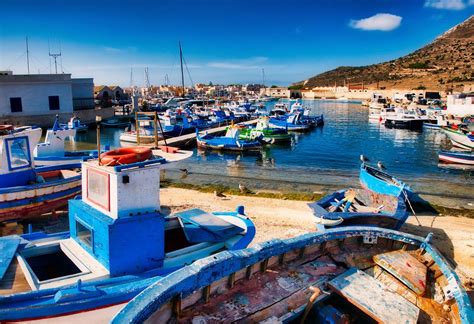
(325, 158)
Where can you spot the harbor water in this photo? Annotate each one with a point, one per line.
(325, 158)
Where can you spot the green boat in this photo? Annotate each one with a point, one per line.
(263, 132)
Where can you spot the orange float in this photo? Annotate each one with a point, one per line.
(125, 155)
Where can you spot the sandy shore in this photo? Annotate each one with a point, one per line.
(275, 218)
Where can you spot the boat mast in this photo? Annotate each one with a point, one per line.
(27, 56)
(181, 60)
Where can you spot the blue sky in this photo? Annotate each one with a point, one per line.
(223, 41)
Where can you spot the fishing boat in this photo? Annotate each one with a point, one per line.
(116, 122)
(292, 122)
(52, 151)
(360, 207)
(405, 119)
(263, 132)
(457, 157)
(342, 275)
(460, 135)
(229, 142)
(27, 190)
(75, 123)
(383, 183)
(119, 243)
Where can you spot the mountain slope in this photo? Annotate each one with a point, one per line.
(446, 62)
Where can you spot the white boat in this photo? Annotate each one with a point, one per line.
(460, 136)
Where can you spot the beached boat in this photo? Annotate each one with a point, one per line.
(292, 122)
(27, 190)
(460, 135)
(230, 141)
(383, 183)
(119, 243)
(457, 157)
(52, 151)
(263, 132)
(360, 207)
(342, 275)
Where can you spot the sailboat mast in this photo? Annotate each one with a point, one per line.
(181, 60)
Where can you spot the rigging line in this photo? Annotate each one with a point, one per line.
(42, 65)
(189, 74)
(16, 60)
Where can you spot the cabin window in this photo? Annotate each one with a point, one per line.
(53, 102)
(18, 152)
(84, 234)
(15, 104)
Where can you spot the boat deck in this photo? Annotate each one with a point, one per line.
(14, 280)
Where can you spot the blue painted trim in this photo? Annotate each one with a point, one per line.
(205, 271)
(119, 168)
(10, 168)
(37, 199)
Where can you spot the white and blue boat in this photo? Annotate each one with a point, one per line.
(75, 123)
(27, 190)
(291, 122)
(457, 157)
(342, 275)
(52, 151)
(229, 142)
(360, 207)
(118, 244)
(383, 183)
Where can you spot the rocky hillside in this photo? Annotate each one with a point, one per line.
(445, 63)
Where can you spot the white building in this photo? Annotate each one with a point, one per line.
(460, 105)
(43, 94)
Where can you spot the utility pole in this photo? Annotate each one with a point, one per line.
(27, 56)
(55, 56)
(181, 60)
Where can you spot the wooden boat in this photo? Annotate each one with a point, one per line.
(75, 123)
(229, 142)
(360, 207)
(26, 190)
(116, 123)
(383, 183)
(342, 275)
(292, 122)
(52, 151)
(460, 135)
(263, 132)
(405, 119)
(457, 157)
(119, 243)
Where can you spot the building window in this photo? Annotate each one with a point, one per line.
(53, 102)
(15, 104)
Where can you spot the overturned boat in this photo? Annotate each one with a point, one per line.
(343, 275)
(119, 243)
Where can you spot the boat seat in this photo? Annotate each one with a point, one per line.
(8, 247)
(374, 298)
(200, 226)
(406, 268)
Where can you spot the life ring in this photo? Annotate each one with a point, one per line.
(125, 155)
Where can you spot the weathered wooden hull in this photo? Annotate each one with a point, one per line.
(272, 280)
(457, 157)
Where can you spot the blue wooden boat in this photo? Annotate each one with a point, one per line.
(383, 183)
(27, 190)
(52, 151)
(75, 123)
(291, 122)
(457, 157)
(342, 275)
(354, 207)
(229, 142)
(119, 243)
(116, 123)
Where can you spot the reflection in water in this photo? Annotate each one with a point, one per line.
(325, 155)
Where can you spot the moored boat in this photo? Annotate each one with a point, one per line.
(75, 123)
(263, 132)
(116, 122)
(360, 207)
(342, 275)
(230, 141)
(460, 135)
(457, 157)
(292, 122)
(119, 243)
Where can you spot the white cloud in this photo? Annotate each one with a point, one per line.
(380, 21)
(250, 63)
(447, 4)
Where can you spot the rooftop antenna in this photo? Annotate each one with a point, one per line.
(131, 77)
(182, 73)
(263, 77)
(27, 56)
(55, 56)
(167, 80)
(147, 79)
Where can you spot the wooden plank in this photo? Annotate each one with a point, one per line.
(406, 268)
(8, 247)
(373, 298)
(14, 280)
